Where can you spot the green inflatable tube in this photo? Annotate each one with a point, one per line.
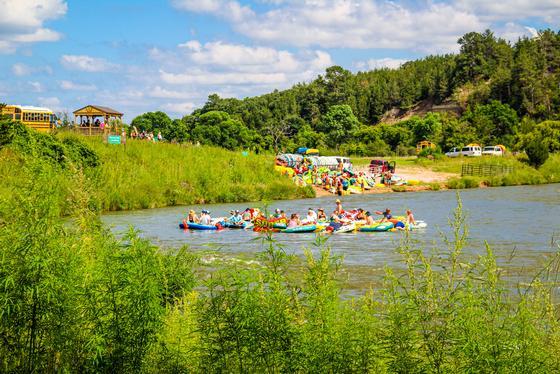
(300, 229)
(378, 227)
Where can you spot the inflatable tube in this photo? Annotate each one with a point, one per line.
(300, 229)
(378, 227)
(197, 226)
(240, 225)
(345, 228)
(418, 225)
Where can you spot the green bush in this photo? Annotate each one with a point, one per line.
(76, 299)
(537, 152)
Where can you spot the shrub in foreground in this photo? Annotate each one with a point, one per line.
(74, 298)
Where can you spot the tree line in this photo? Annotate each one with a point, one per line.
(499, 92)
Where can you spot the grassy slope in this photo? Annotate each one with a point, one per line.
(148, 175)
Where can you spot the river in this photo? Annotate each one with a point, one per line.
(521, 224)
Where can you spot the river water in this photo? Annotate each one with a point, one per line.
(521, 224)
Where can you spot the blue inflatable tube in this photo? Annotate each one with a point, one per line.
(197, 226)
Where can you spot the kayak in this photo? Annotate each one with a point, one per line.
(300, 229)
(197, 226)
(378, 227)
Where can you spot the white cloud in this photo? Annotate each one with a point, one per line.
(219, 63)
(201, 77)
(512, 31)
(431, 26)
(179, 108)
(36, 86)
(381, 63)
(512, 10)
(198, 5)
(20, 69)
(71, 86)
(22, 22)
(159, 92)
(87, 63)
(50, 102)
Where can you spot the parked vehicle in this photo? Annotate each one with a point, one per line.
(471, 151)
(454, 152)
(381, 166)
(493, 150)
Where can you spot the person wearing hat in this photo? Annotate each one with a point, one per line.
(338, 210)
(236, 218)
(205, 218)
(321, 214)
(192, 217)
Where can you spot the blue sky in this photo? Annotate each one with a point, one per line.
(138, 56)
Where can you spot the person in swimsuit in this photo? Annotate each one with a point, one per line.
(192, 217)
(386, 215)
(410, 217)
(338, 210)
(294, 221)
(369, 219)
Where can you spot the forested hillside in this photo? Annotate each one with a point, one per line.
(492, 92)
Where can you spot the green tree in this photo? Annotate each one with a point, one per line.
(218, 128)
(153, 121)
(537, 152)
(338, 124)
(494, 122)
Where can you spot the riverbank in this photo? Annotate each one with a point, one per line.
(121, 304)
(445, 173)
(141, 174)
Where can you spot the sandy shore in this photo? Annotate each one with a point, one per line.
(423, 175)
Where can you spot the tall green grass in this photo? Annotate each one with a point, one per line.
(147, 175)
(73, 298)
(142, 174)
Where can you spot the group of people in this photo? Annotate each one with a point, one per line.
(339, 217)
(147, 135)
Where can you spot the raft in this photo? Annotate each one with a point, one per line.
(197, 226)
(300, 229)
(345, 228)
(243, 225)
(378, 227)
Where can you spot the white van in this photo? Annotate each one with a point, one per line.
(493, 150)
(471, 151)
(454, 152)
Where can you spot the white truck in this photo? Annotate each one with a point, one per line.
(493, 150)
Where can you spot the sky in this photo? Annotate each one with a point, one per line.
(137, 56)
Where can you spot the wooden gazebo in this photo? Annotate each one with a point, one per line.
(90, 118)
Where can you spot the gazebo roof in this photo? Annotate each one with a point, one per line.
(96, 109)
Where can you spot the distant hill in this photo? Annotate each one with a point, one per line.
(340, 108)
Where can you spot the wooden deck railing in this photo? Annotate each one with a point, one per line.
(485, 170)
(93, 130)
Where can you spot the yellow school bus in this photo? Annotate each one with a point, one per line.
(41, 119)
